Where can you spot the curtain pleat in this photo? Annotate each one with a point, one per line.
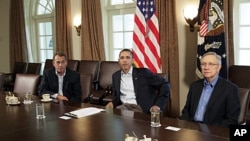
(63, 27)
(18, 45)
(92, 46)
(166, 10)
(228, 22)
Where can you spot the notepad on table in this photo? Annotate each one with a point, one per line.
(84, 112)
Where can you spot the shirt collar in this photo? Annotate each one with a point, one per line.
(129, 72)
(62, 75)
(212, 84)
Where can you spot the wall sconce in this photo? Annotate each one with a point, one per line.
(190, 15)
(77, 25)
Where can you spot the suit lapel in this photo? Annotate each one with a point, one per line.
(135, 80)
(65, 81)
(54, 77)
(198, 90)
(218, 90)
(117, 81)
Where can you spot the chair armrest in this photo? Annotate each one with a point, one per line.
(8, 77)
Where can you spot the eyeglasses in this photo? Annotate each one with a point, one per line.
(208, 64)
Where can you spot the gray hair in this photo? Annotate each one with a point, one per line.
(218, 57)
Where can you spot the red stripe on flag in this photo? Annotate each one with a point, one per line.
(136, 58)
(146, 36)
(203, 28)
(154, 30)
(153, 46)
(140, 24)
(145, 56)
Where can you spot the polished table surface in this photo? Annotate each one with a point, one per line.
(19, 123)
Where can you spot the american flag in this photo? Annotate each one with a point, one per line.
(146, 47)
(203, 28)
(204, 23)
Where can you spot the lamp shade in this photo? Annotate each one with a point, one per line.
(190, 12)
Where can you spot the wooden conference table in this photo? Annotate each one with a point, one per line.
(19, 123)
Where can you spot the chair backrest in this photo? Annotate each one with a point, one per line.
(86, 85)
(48, 64)
(240, 75)
(73, 64)
(19, 67)
(107, 68)
(244, 101)
(90, 66)
(26, 83)
(1, 81)
(33, 68)
(9, 78)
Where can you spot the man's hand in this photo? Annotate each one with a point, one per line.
(61, 97)
(155, 108)
(110, 105)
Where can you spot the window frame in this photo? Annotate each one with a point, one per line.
(34, 21)
(109, 11)
(236, 29)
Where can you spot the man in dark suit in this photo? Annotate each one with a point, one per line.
(135, 88)
(60, 82)
(212, 100)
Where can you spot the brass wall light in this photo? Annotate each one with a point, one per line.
(77, 24)
(190, 15)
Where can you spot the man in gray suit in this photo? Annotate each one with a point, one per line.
(135, 88)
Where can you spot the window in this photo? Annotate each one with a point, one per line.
(119, 18)
(44, 26)
(40, 29)
(242, 32)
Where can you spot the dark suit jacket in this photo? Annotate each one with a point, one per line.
(71, 84)
(223, 108)
(145, 86)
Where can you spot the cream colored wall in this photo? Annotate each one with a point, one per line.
(187, 43)
(76, 11)
(4, 36)
(187, 50)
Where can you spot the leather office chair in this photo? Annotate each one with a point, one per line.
(26, 83)
(92, 67)
(73, 64)
(86, 85)
(244, 101)
(240, 76)
(33, 68)
(48, 64)
(107, 68)
(1, 81)
(9, 78)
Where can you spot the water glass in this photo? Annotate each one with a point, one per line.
(27, 98)
(40, 111)
(155, 117)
